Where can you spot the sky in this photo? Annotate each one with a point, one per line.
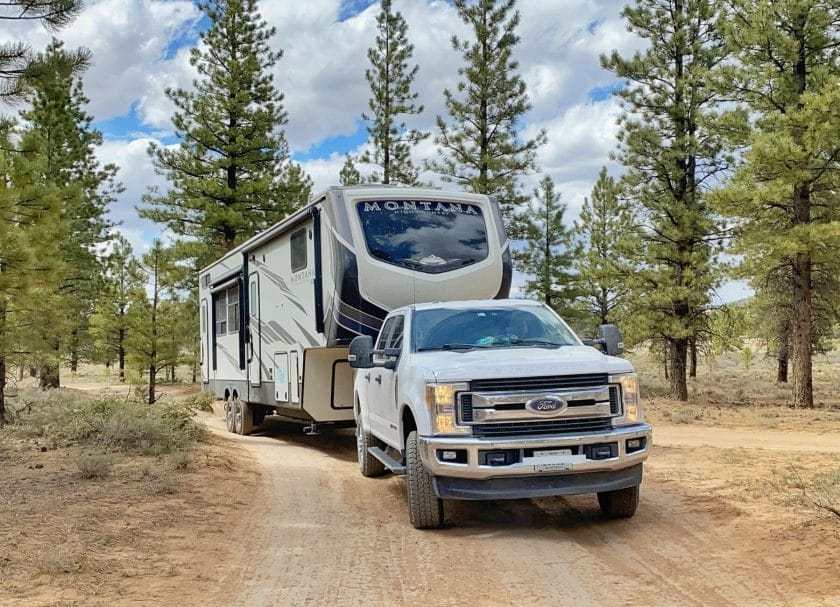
(141, 47)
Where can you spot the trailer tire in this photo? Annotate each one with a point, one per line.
(368, 465)
(621, 503)
(425, 508)
(244, 417)
(230, 414)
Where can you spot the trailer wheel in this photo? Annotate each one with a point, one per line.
(230, 414)
(425, 508)
(368, 465)
(243, 417)
(621, 503)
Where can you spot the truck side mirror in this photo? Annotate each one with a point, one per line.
(360, 356)
(610, 338)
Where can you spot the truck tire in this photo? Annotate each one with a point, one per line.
(230, 414)
(425, 508)
(621, 503)
(243, 417)
(368, 465)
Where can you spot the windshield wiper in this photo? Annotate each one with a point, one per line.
(455, 346)
(535, 342)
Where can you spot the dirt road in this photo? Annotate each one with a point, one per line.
(317, 533)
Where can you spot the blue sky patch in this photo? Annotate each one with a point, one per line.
(602, 93)
(127, 126)
(340, 144)
(593, 26)
(186, 37)
(351, 8)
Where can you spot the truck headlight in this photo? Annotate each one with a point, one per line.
(441, 401)
(632, 404)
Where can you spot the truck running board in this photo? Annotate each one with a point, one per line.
(390, 463)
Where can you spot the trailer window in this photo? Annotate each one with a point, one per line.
(227, 311)
(427, 236)
(298, 245)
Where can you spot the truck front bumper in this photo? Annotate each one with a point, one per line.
(472, 477)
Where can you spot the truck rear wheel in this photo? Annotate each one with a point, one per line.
(243, 417)
(621, 503)
(368, 465)
(425, 508)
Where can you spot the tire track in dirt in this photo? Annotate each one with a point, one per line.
(317, 533)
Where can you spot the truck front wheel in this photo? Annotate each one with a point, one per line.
(425, 508)
(621, 503)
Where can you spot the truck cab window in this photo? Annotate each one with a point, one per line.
(427, 236)
(297, 241)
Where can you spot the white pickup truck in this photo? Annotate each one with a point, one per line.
(497, 399)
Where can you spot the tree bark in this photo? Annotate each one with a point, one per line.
(152, 374)
(678, 353)
(803, 389)
(782, 368)
(692, 353)
(2, 389)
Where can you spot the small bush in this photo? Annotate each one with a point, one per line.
(179, 460)
(203, 401)
(683, 414)
(95, 466)
(128, 425)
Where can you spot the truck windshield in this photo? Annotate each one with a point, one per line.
(424, 235)
(454, 329)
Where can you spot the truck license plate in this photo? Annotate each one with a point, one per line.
(557, 467)
(551, 453)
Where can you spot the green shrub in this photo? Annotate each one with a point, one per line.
(95, 466)
(203, 401)
(115, 422)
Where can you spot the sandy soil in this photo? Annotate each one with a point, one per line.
(280, 518)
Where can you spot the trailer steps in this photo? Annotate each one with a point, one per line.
(393, 465)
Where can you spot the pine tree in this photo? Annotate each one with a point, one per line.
(150, 316)
(62, 132)
(481, 148)
(349, 174)
(391, 98)
(109, 323)
(16, 61)
(670, 144)
(784, 198)
(605, 228)
(549, 251)
(230, 177)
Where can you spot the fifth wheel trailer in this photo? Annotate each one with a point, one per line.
(278, 312)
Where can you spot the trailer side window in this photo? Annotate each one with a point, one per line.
(298, 245)
(227, 311)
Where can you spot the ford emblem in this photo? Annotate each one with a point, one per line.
(546, 405)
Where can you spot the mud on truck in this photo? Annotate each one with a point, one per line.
(497, 399)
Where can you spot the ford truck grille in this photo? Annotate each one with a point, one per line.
(615, 406)
(551, 382)
(558, 426)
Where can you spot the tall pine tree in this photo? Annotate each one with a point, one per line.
(391, 98)
(61, 131)
(673, 154)
(605, 229)
(481, 149)
(784, 199)
(230, 176)
(549, 251)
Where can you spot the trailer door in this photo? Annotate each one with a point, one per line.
(204, 355)
(254, 330)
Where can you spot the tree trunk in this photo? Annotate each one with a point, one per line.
(692, 354)
(803, 389)
(2, 389)
(782, 368)
(152, 378)
(678, 353)
(33, 371)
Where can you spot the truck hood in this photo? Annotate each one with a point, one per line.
(455, 366)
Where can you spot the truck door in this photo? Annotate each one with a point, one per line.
(254, 331)
(383, 385)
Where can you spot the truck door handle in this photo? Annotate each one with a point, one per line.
(378, 379)
(367, 376)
